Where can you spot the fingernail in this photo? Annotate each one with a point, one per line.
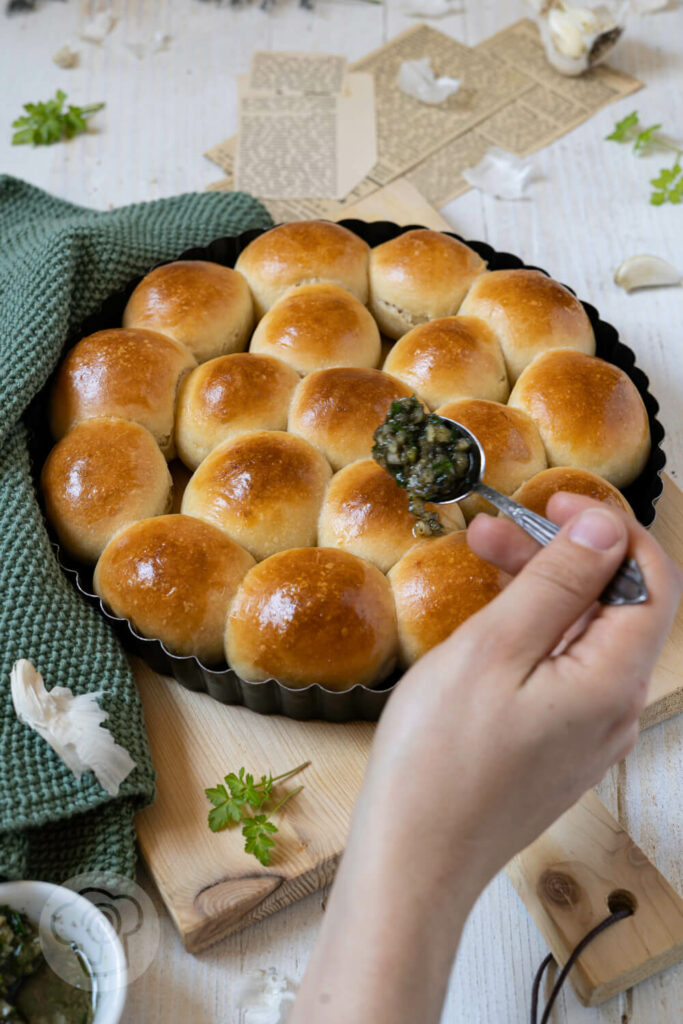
(596, 529)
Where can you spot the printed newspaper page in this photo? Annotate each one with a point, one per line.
(551, 105)
(305, 128)
(276, 71)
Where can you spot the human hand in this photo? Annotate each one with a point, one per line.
(491, 732)
(486, 740)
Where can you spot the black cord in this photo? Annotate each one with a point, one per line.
(619, 915)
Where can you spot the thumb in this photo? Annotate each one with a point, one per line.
(557, 586)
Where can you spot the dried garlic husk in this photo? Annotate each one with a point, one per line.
(645, 271)
(577, 38)
(72, 725)
(65, 57)
(416, 78)
(500, 174)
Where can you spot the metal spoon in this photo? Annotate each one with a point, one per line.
(626, 587)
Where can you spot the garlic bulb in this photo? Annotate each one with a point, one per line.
(577, 38)
(645, 271)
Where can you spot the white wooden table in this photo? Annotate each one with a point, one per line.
(587, 212)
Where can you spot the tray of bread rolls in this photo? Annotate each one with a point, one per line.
(205, 463)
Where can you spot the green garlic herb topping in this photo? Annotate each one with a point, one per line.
(429, 458)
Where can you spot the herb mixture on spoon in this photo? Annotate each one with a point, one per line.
(426, 456)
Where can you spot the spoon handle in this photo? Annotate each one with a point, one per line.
(626, 587)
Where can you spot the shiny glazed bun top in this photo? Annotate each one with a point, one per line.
(131, 374)
(228, 396)
(436, 586)
(264, 489)
(452, 357)
(303, 252)
(339, 410)
(314, 326)
(418, 276)
(529, 313)
(366, 512)
(204, 305)
(313, 615)
(173, 577)
(103, 474)
(589, 414)
(537, 491)
(512, 446)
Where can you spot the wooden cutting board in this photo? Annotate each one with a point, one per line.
(212, 888)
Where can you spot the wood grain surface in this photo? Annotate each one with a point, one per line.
(586, 211)
(583, 867)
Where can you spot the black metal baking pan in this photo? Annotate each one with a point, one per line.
(271, 697)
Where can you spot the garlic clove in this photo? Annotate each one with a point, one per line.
(566, 35)
(577, 38)
(645, 271)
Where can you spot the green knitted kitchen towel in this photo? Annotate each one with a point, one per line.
(58, 262)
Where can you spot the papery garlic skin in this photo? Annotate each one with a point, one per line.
(72, 725)
(500, 174)
(646, 271)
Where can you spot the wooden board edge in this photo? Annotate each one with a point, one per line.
(289, 890)
(660, 710)
(564, 879)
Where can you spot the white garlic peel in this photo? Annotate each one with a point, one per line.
(416, 78)
(645, 271)
(72, 725)
(267, 998)
(576, 38)
(500, 174)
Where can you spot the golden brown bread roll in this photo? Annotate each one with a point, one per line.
(205, 306)
(228, 396)
(315, 326)
(131, 374)
(512, 446)
(313, 615)
(102, 475)
(304, 252)
(529, 313)
(263, 489)
(452, 357)
(173, 577)
(437, 585)
(419, 276)
(339, 410)
(366, 512)
(588, 412)
(535, 493)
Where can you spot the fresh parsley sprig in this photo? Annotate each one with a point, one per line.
(669, 182)
(238, 794)
(45, 123)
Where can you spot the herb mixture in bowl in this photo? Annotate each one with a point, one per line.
(427, 456)
(30, 991)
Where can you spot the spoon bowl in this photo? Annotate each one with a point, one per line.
(626, 587)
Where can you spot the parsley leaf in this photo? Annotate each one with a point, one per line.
(241, 793)
(669, 182)
(622, 129)
(45, 123)
(257, 832)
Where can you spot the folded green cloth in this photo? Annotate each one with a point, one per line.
(58, 262)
